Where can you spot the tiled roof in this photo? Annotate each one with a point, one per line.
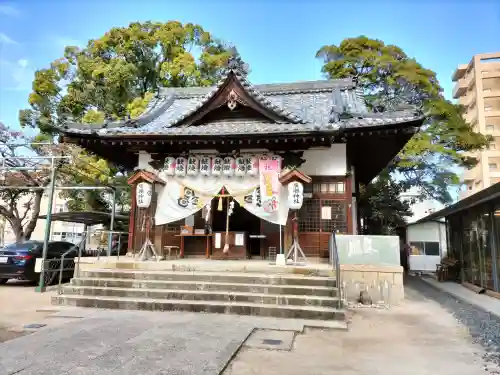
(305, 106)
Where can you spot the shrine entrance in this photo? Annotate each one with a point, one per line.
(241, 220)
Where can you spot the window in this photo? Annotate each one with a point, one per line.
(488, 108)
(493, 146)
(490, 128)
(425, 248)
(492, 166)
(329, 188)
(486, 90)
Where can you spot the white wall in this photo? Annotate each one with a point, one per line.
(427, 232)
(326, 162)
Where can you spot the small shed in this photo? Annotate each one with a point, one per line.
(427, 240)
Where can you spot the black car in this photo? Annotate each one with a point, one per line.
(17, 260)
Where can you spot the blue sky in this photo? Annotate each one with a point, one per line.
(277, 38)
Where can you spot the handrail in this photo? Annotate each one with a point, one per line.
(335, 261)
(71, 249)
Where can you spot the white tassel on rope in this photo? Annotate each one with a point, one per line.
(230, 208)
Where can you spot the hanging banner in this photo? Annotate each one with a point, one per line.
(253, 203)
(269, 184)
(182, 197)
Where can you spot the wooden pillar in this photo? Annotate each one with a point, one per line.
(131, 223)
(151, 178)
(349, 201)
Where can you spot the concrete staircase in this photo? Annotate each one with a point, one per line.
(259, 294)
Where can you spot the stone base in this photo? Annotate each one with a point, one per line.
(383, 283)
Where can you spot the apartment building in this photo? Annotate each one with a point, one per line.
(478, 89)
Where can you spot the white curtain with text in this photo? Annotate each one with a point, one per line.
(184, 196)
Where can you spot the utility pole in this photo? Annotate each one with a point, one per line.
(48, 225)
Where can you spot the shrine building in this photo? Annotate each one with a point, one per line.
(217, 158)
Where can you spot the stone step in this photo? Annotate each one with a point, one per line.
(240, 308)
(233, 277)
(203, 295)
(207, 285)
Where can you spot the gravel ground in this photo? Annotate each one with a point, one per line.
(483, 327)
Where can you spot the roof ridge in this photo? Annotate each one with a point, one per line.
(267, 89)
(249, 88)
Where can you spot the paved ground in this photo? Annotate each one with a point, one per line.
(423, 336)
(419, 337)
(19, 305)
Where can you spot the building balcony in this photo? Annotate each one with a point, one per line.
(492, 74)
(459, 72)
(471, 174)
(459, 89)
(494, 113)
(491, 93)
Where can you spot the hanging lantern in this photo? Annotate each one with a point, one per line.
(252, 163)
(241, 167)
(143, 194)
(169, 166)
(216, 166)
(228, 166)
(295, 195)
(180, 166)
(205, 166)
(278, 158)
(193, 164)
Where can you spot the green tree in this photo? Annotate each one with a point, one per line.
(20, 205)
(102, 80)
(390, 78)
(114, 77)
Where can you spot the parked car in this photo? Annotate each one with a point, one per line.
(17, 260)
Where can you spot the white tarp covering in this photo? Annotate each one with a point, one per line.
(184, 196)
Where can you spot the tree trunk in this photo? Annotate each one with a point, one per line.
(35, 212)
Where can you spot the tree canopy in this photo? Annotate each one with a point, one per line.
(389, 78)
(111, 76)
(114, 77)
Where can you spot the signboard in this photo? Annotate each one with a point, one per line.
(326, 213)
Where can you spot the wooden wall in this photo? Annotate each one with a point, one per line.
(314, 232)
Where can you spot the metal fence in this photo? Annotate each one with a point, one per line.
(335, 264)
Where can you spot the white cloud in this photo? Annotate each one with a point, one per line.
(5, 39)
(16, 76)
(9, 10)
